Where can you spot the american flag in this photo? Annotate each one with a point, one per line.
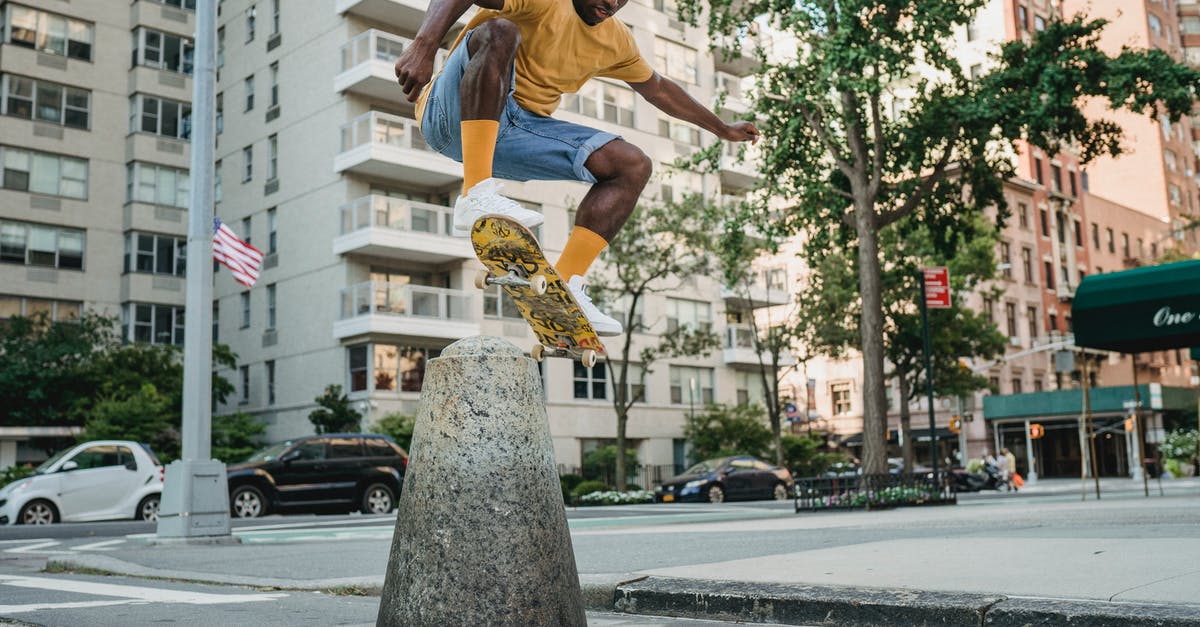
(242, 259)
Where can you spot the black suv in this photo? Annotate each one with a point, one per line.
(330, 472)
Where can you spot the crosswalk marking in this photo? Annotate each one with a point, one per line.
(107, 545)
(127, 594)
(39, 547)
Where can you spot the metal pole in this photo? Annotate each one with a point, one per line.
(929, 377)
(195, 493)
(1137, 424)
(1091, 430)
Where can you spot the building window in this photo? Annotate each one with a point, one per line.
(1074, 185)
(45, 101)
(1031, 315)
(693, 386)
(1156, 26)
(1037, 384)
(43, 173)
(1078, 233)
(155, 324)
(271, 306)
(1037, 170)
(270, 372)
(1022, 18)
(676, 61)
(1027, 263)
(1045, 223)
(1095, 236)
(498, 304)
(274, 85)
(275, 16)
(50, 33)
(220, 48)
(244, 372)
(749, 387)
(1006, 259)
(591, 383)
(190, 5)
(155, 254)
(11, 305)
(272, 237)
(841, 399)
(272, 157)
(399, 368)
(163, 51)
(1056, 177)
(1175, 194)
(156, 184)
(1049, 268)
(1023, 215)
(247, 163)
(1125, 245)
(690, 314)
(358, 367)
(220, 113)
(1112, 245)
(1016, 385)
(1010, 317)
(169, 118)
(244, 298)
(604, 101)
(989, 308)
(251, 14)
(972, 30)
(1171, 161)
(217, 181)
(247, 222)
(1039, 23)
(249, 92)
(41, 245)
(681, 132)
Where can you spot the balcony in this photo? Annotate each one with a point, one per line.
(368, 65)
(741, 63)
(390, 147)
(757, 296)
(396, 228)
(403, 309)
(737, 167)
(731, 86)
(740, 350)
(405, 15)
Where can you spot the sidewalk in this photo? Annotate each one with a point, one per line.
(1122, 561)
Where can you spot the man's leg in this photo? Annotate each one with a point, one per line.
(621, 170)
(484, 91)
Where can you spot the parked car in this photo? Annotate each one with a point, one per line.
(331, 472)
(100, 480)
(727, 479)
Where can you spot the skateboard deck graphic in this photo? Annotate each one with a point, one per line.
(515, 261)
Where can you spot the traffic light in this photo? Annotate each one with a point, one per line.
(955, 425)
(1036, 431)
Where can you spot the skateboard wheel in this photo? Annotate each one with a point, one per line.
(538, 353)
(588, 359)
(481, 279)
(538, 284)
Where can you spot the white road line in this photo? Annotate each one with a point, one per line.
(107, 545)
(39, 548)
(134, 593)
(24, 541)
(36, 607)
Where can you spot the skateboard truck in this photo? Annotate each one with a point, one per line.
(515, 278)
(587, 356)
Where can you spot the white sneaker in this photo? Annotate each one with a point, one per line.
(602, 323)
(485, 198)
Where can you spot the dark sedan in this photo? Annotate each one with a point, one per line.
(332, 472)
(727, 479)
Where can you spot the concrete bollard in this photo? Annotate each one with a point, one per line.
(481, 536)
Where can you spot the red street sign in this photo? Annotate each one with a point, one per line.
(937, 288)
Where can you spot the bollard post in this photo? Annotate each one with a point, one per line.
(481, 533)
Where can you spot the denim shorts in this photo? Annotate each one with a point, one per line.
(528, 146)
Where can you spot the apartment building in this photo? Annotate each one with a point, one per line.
(94, 142)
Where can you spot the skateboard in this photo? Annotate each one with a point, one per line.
(515, 262)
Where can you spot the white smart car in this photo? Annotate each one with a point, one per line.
(100, 480)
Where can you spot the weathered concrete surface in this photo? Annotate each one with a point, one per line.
(481, 535)
(1027, 612)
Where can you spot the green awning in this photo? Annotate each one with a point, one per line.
(1139, 310)
(1105, 400)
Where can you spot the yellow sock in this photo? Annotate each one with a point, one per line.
(478, 147)
(583, 246)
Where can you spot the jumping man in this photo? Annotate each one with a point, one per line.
(492, 102)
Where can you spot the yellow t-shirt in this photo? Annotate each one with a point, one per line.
(559, 52)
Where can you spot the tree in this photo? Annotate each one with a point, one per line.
(335, 415)
(398, 427)
(722, 430)
(851, 168)
(601, 465)
(662, 246)
(235, 436)
(145, 416)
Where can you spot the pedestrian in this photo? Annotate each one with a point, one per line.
(1010, 464)
(490, 106)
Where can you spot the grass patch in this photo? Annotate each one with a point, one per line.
(352, 591)
(58, 568)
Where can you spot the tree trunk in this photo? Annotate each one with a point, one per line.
(906, 424)
(874, 456)
(622, 418)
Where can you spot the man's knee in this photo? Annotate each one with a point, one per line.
(497, 34)
(621, 159)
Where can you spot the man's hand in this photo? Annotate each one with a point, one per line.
(414, 68)
(740, 132)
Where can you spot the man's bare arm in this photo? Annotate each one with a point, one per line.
(414, 68)
(671, 99)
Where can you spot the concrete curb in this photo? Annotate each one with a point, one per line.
(797, 604)
(370, 586)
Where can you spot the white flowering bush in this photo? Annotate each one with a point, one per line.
(613, 497)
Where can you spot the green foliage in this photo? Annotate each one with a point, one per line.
(602, 463)
(336, 415)
(1180, 445)
(802, 455)
(722, 430)
(398, 427)
(588, 487)
(235, 437)
(146, 415)
(14, 473)
(568, 483)
(612, 497)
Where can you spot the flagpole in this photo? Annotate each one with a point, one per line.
(195, 501)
